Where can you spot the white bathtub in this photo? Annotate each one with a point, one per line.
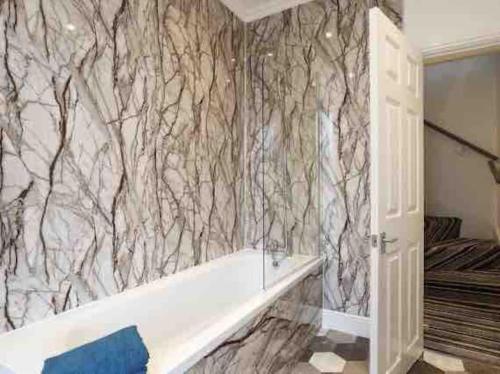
(181, 317)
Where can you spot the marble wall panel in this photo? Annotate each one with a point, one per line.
(124, 143)
(120, 146)
(309, 79)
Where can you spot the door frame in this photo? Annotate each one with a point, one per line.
(449, 52)
(461, 49)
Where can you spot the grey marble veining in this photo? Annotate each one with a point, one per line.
(282, 136)
(136, 141)
(309, 100)
(275, 340)
(120, 146)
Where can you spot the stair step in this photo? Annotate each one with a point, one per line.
(467, 314)
(465, 331)
(490, 344)
(489, 301)
(462, 351)
(462, 314)
(489, 279)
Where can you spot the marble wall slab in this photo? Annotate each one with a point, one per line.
(273, 341)
(282, 151)
(135, 141)
(120, 146)
(309, 100)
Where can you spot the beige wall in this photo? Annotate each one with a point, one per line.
(463, 97)
(429, 23)
(497, 187)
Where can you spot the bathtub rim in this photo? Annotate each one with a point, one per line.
(152, 285)
(131, 292)
(190, 351)
(187, 355)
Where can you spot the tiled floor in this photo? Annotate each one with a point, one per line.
(336, 352)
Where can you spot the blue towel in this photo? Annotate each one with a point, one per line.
(122, 352)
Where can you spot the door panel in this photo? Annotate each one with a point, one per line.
(396, 128)
(392, 142)
(412, 165)
(393, 318)
(412, 302)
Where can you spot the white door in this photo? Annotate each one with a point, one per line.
(396, 111)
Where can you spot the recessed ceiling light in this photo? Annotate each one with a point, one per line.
(270, 54)
(233, 60)
(328, 34)
(70, 27)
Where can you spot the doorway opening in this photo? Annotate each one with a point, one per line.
(462, 208)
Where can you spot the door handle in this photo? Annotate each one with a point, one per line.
(384, 242)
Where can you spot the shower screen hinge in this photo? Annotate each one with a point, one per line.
(374, 240)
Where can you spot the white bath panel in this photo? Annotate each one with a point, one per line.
(347, 323)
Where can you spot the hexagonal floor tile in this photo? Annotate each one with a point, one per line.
(306, 355)
(443, 362)
(356, 367)
(321, 344)
(422, 367)
(304, 368)
(358, 351)
(327, 362)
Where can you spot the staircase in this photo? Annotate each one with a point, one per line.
(492, 159)
(462, 314)
(462, 282)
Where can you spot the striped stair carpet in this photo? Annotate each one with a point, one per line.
(462, 313)
(463, 254)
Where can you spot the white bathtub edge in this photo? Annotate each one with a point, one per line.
(219, 332)
(177, 277)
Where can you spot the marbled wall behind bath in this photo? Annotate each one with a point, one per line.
(309, 100)
(120, 143)
(282, 153)
(123, 144)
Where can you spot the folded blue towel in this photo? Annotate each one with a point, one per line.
(122, 352)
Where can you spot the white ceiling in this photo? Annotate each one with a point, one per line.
(250, 10)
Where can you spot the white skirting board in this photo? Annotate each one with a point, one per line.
(348, 323)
